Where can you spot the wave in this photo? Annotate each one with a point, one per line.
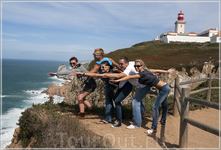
(11, 117)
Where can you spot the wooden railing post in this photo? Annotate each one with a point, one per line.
(176, 95)
(183, 141)
(209, 83)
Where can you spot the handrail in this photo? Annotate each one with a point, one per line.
(203, 102)
(203, 126)
(192, 81)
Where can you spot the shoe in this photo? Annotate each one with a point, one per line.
(114, 119)
(150, 131)
(160, 123)
(80, 116)
(132, 126)
(92, 111)
(117, 124)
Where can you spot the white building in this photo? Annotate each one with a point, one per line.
(180, 34)
(216, 38)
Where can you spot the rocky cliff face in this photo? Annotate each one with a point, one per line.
(70, 90)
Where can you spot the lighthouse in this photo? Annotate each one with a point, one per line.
(180, 24)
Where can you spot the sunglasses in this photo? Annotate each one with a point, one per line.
(102, 67)
(121, 64)
(137, 66)
(72, 63)
(96, 54)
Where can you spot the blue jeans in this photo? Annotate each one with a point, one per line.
(122, 94)
(161, 99)
(137, 104)
(109, 109)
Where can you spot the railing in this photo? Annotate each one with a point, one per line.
(182, 108)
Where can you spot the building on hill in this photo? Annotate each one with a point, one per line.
(180, 35)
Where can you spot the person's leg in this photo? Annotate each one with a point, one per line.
(164, 107)
(136, 104)
(143, 111)
(109, 105)
(163, 94)
(82, 101)
(122, 94)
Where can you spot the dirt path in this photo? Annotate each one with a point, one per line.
(166, 137)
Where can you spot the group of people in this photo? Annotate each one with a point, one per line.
(127, 75)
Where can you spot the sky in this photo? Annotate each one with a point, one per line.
(59, 30)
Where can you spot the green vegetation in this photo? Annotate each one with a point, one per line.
(46, 125)
(158, 55)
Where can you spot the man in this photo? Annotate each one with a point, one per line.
(89, 86)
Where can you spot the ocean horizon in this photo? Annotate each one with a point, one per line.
(23, 81)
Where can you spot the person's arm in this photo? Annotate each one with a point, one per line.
(51, 74)
(162, 71)
(96, 68)
(114, 75)
(88, 74)
(136, 76)
(115, 64)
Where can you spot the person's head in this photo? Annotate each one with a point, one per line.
(105, 66)
(123, 62)
(73, 62)
(140, 65)
(98, 54)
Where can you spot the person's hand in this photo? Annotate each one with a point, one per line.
(114, 81)
(51, 74)
(171, 70)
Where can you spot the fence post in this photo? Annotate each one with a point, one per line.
(176, 95)
(183, 141)
(209, 83)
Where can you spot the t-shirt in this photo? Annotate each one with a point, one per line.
(99, 63)
(148, 78)
(130, 70)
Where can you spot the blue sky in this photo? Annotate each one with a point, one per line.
(59, 30)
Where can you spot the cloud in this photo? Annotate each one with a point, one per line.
(104, 15)
(51, 28)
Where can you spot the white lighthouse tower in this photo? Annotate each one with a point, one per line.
(180, 24)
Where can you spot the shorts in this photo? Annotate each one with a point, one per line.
(90, 86)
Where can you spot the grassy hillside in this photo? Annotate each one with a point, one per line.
(158, 55)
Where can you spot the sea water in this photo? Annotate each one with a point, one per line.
(22, 84)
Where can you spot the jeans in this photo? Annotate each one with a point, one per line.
(161, 99)
(137, 105)
(109, 103)
(122, 94)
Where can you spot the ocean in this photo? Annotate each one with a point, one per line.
(22, 84)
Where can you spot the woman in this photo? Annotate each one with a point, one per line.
(89, 86)
(109, 90)
(146, 77)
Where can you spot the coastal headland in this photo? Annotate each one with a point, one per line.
(52, 125)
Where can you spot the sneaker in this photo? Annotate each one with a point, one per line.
(117, 124)
(132, 126)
